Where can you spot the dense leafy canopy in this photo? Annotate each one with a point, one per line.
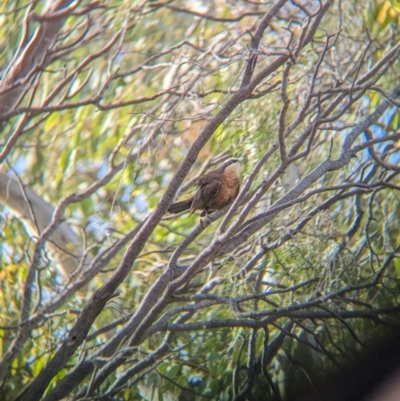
(110, 110)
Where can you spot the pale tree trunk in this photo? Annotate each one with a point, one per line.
(32, 52)
(36, 214)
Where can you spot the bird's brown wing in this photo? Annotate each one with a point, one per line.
(208, 188)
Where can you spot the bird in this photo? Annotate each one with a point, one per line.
(216, 189)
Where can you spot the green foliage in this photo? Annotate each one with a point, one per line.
(131, 111)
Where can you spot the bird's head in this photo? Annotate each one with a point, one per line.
(232, 164)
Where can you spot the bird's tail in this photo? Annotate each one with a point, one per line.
(180, 206)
